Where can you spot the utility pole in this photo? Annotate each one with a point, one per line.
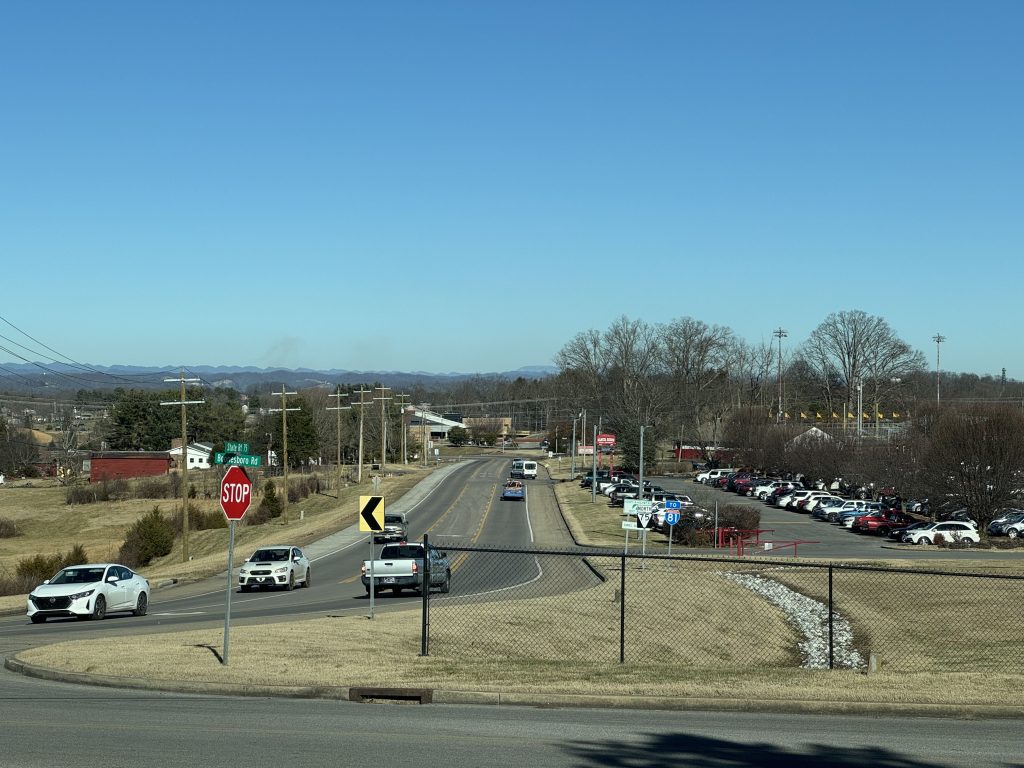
(938, 338)
(384, 398)
(339, 408)
(403, 401)
(283, 394)
(780, 333)
(184, 458)
(362, 391)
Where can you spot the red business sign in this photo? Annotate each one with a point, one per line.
(235, 493)
(606, 441)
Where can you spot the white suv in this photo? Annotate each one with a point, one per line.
(951, 531)
(709, 475)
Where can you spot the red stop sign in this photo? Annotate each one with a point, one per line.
(235, 493)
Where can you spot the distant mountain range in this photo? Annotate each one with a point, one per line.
(33, 377)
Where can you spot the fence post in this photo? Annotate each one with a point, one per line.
(424, 619)
(831, 635)
(622, 611)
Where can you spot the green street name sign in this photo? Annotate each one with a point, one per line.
(236, 447)
(240, 459)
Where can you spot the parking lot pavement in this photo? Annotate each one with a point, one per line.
(790, 532)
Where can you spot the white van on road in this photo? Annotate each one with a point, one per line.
(523, 469)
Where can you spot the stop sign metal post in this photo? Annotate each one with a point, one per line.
(235, 496)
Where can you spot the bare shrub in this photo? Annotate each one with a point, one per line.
(8, 528)
(108, 490)
(38, 568)
(702, 532)
(205, 521)
(153, 488)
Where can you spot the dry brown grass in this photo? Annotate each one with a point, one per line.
(354, 651)
(48, 525)
(524, 646)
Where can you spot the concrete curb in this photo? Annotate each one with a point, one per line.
(532, 699)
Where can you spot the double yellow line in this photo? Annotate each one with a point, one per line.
(461, 557)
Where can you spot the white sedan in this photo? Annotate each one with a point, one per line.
(89, 591)
(281, 566)
(951, 532)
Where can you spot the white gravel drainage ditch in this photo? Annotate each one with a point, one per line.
(810, 618)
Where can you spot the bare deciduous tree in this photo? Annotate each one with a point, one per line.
(697, 358)
(976, 455)
(853, 346)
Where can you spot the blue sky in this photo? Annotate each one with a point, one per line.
(465, 186)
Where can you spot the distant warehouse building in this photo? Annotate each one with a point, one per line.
(117, 465)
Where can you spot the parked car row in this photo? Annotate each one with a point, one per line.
(754, 484)
(881, 514)
(877, 518)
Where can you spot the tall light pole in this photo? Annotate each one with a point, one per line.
(184, 459)
(780, 333)
(641, 493)
(339, 408)
(572, 463)
(283, 394)
(860, 408)
(938, 338)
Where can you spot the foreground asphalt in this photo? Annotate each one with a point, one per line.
(406, 693)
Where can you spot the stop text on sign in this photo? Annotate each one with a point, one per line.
(236, 493)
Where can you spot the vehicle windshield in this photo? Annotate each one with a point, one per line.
(78, 576)
(271, 555)
(393, 519)
(401, 552)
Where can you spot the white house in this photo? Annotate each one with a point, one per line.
(198, 455)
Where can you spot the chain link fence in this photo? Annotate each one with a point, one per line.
(716, 612)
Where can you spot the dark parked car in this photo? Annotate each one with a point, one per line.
(897, 534)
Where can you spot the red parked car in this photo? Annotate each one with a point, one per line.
(882, 522)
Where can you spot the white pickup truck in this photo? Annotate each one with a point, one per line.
(401, 566)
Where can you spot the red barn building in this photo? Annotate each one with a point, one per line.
(116, 465)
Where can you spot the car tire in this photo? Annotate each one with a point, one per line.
(447, 584)
(245, 588)
(291, 582)
(37, 619)
(883, 531)
(99, 610)
(966, 542)
(924, 540)
(141, 605)
(1012, 533)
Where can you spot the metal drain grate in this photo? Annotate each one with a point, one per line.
(405, 695)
